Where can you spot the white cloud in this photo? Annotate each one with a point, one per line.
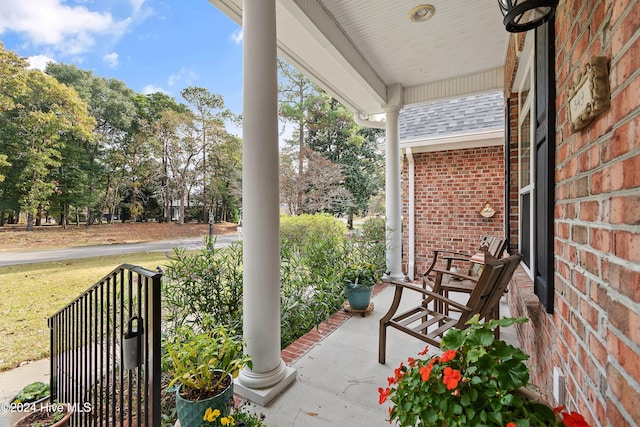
(111, 59)
(39, 62)
(236, 36)
(185, 75)
(149, 89)
(70, 30)
(136, 5)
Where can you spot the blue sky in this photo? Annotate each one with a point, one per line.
(151, 45)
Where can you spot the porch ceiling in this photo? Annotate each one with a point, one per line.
(358, 49)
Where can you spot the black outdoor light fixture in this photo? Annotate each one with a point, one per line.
(524, 15)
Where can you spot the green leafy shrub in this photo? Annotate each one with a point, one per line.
(206, 283)
(299, 230)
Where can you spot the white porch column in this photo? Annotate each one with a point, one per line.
(393, 193)
(261, 214)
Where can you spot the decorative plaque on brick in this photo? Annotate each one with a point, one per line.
(589, 95)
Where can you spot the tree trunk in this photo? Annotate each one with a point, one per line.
(181, 209)
(63, 216)
(30, 222)
(39, 216)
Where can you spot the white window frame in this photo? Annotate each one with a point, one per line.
(527, 73)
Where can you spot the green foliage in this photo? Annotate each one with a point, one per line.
(475, 382)
(193, 355)
(364, 274)
(208, 283)
(314, 250)
(298, 230)
(33, 392)
(334, 134)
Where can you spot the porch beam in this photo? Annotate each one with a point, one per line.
(323, 28)
(261, 214)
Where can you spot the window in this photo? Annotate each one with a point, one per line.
(536, 160)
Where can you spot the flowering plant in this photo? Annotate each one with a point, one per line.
(239, 417)
(477, 381)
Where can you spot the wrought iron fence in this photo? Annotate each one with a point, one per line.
(105, 351)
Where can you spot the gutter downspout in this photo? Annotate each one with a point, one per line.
(376, 124)
(411, 256)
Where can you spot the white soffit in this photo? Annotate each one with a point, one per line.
(356, 49)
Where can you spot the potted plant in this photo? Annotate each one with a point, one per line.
(34, 392)
(477, 381)
(359, 280)
(203, 365)
(46, 415)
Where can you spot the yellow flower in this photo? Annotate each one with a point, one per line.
(227, 421)
(211, 415)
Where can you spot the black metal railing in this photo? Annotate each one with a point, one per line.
(105, 351)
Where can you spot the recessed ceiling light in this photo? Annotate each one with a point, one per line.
(421, 13)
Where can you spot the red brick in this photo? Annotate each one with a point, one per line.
(622, 280)
(627, 246)
(624, 173)
(623, 391)
(601, 240)
(628, 359)
(625, 210)
(589, 211)
(626, 64)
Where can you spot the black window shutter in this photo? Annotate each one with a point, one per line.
(544, 164)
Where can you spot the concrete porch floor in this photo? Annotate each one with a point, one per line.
(338, 377)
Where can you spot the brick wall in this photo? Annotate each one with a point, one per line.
(450, 189)
(594, 334)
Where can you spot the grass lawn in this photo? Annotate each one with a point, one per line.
(30, 293)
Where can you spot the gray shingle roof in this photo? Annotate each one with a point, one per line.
(469, 114)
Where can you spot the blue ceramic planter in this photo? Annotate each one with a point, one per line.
(359, 296)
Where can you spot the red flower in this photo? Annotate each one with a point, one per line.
(391, 380)
(451, 378)
(448, 356)
(573, 419)
(384, 394)
(425, 371)
(425, 351)
(398, 372)
(411, 361)
(511, 424)
(559, 409)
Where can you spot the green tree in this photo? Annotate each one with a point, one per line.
(12, 85)
(50, 113)
(334, 134)
(297, 98)
(72, 180)
(226, 181)
(210, 117)
(178, 135)
(151, 110)
(112, 105)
